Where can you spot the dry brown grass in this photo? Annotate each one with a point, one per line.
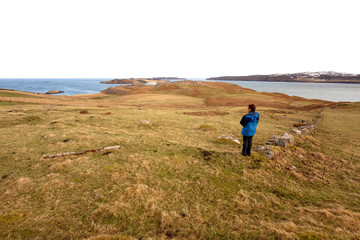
(208, 113)
(174, 180)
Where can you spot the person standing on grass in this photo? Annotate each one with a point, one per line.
(249, 122)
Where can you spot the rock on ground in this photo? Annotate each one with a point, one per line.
(285, 140)
(268, 152)
(228, 138)
(291, 168)
(145, 122)
(259, 148)
(295, 131)
(282, 141)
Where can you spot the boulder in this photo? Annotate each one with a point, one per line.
(228, 138)
(259, 148)
(295, 131)
(304, 131)
(271, 141)
(285, 140)
(282, 141)
(268, 152)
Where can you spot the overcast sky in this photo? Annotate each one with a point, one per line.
(182, 38)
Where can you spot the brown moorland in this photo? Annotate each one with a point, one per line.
(172, 179)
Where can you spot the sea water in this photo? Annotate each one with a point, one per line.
(72, 86)
(337, 92)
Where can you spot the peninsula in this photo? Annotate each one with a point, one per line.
(141, 81)
(322, 77)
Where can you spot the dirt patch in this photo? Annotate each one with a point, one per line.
(209, 113)
(299, 124)
(206, 154)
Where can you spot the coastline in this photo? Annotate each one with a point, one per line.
(318, 77)
(336, 92)
(299, 81)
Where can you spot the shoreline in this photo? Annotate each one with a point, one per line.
(322, 77)
(260, 86)
(230, 80)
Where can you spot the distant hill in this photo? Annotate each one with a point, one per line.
(218, 94)
(141, 81)
(326, 77)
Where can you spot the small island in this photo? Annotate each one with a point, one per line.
(54, 92)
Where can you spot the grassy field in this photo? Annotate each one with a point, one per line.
(173, 179)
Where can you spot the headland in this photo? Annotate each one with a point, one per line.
(318, 77)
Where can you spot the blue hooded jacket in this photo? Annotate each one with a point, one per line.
(249, 123)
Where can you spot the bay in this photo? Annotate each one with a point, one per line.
(70, 86)
(338, 92)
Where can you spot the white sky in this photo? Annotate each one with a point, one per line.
(182, 38)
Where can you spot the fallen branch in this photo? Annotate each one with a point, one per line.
(81, 152)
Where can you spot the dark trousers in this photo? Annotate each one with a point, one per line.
(246, 151)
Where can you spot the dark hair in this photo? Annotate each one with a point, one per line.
(252, 107)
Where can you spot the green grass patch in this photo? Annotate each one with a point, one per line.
(206, 127)
(16, 94)
(3, 103)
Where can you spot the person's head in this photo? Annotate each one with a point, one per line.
(252, 108)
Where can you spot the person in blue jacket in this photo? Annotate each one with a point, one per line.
(249, 122)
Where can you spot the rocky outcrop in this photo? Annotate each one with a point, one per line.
(287, 139)
(283, 141)
(116, 91)
(308, 129)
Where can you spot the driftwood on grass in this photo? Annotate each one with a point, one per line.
(81, 152)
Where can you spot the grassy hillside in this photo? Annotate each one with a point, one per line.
(173, 179)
